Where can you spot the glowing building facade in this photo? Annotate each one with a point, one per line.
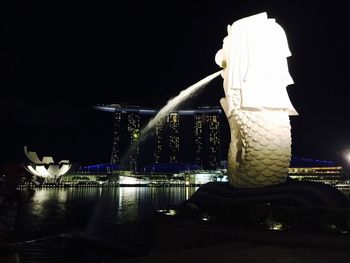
(158, 143)
(117, 136)
(213, 123)
(173, 122)
(134, 134)
(304, 169)
(174, 141)
(198, 133)
(125, 136)
(207, 139)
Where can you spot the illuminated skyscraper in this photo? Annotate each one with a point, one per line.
(126, 136)
(198, 133)
(159, 141)
(134, 133)
(117, 137)
(207, 138)
(213, 122)
(173, 121)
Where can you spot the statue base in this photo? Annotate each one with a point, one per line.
(291, 213)
(292, 193)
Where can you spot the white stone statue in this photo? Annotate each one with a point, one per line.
(257, 106)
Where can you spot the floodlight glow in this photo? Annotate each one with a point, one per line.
(347, 156)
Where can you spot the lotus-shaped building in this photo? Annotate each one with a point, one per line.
(45, 168)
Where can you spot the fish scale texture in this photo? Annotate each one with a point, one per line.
(260, 148)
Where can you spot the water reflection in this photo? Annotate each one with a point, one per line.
(128, 203)
(103, 212)
(109, 213)
(62, 196)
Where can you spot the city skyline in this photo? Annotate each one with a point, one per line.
(183, 136)
(60, 59)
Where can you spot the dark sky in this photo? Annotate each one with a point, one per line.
(59, 58)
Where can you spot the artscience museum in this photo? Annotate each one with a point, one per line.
(46, 167)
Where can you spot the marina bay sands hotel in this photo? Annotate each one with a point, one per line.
(184, 136)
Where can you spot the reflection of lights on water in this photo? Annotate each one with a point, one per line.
(62, 196)
(332, 226)
(39, 200)
(171, 212)
(40, 196)
(128, 203)
(205, 217)
(187, 193)
(127, 196)
(276, 226)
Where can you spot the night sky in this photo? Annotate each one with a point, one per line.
(60, 58)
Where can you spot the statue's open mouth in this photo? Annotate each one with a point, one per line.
(219, 59)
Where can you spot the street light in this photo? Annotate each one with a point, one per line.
(346, 155)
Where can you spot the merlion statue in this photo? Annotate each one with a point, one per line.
(257, 106)
(255, 76)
